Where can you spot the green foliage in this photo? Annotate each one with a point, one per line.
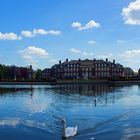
(38, 74)
(14, 73)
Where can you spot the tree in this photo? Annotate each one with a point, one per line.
(1, 72)
(38, 74)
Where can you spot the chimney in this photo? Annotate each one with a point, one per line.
(106, 59)
(79, 60)
(30, 66)
(94, 59)
(59, 61)
(114, 61)
(67, 60)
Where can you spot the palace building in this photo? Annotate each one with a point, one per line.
(86, 69)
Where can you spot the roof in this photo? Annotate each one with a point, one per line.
(90, 61)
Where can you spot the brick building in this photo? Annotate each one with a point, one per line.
(85, 69)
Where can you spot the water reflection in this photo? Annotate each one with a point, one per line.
(101, 111)
(96, 92)
(131, 134)
(86, 89)
(12, 90)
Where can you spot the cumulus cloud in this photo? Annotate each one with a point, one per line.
(73, 50)
(130, 54)
(31, 54)
(40, 32)
(9, 36)
(92, 42)
(36, 51)
(131, 13)
(89, 25)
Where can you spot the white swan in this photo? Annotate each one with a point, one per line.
(68, 131)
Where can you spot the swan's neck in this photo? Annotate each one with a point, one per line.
(64, 128)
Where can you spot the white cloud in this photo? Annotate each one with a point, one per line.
(130, 54)
(32, 50)
(30, 60)
(27, 57)
(76, 24)
(40, 32)
(32, 54)
(73, 50)
(88, 53)
(103, 56)
(84, 53)
(9, 36)
(27, 33)
(130, 58)
(91, 42)
(53, 32)
(131, 13)
(121, 41)
(89, 25)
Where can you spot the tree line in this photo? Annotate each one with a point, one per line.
(19, 73)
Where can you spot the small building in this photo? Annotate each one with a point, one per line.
(30, 73)
(46, 73)
(128, 72)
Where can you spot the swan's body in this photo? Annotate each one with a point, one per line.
(68, 131)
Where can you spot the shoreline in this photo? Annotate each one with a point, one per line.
(23, 83)
(62, 82)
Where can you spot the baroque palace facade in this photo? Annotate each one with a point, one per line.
(87, 69)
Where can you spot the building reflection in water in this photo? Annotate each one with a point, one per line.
(32, 91)
(99, 93)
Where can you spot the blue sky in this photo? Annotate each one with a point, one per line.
(42, 32)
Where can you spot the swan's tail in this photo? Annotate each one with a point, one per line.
(75, 129)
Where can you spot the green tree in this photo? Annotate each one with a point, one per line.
(1, 72)
(38, 74)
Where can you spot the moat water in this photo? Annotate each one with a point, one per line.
(101, 112)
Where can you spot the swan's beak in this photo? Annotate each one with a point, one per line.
(61, 121)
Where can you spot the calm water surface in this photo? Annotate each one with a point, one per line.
(101, 112)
